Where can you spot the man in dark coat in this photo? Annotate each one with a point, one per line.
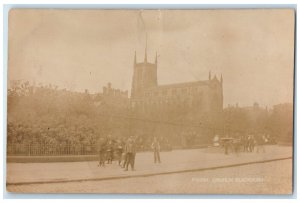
(119, 150)
(130, 150)
(109, 149)
(101, 152)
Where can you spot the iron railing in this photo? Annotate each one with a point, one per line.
(50, 149)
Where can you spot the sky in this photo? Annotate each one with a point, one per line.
(86, 49)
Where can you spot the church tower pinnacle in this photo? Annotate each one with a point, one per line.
(221, 80)
(134, 57)
(145, 59)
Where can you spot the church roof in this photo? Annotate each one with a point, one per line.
(145, 64)
(182, 85)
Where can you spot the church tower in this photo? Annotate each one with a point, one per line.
(144, 76)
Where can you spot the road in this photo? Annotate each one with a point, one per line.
(173, 161)
(264, 178)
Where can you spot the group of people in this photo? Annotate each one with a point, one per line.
(250, 142)
(123, 151)
(247, 143)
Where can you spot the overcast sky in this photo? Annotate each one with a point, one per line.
(86, 49)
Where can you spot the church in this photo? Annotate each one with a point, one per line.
(196, 101)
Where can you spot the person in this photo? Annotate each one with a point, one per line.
(136, 149)
(119, 150)
(227, 143)
(248, 143)
(123, 156)
(252, 143)
(261, 143)
(236, 145)
(156, 149)
(226, 146)
(101, 152)
(244, 143)
(109, 150)
(130, 153)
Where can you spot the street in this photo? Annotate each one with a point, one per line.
(172, 161)
(265, 178)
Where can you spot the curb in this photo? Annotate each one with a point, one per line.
(146, 175)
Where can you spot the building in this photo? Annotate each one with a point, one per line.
(112, 98)
(197, 101)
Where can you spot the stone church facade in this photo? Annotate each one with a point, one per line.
(197, 101)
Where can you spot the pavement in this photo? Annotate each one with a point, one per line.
(173, 162)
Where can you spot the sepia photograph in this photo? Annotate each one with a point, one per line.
(150, 101)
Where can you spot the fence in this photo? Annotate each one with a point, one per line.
(60, 150)
(50, 150)
(79, 149)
